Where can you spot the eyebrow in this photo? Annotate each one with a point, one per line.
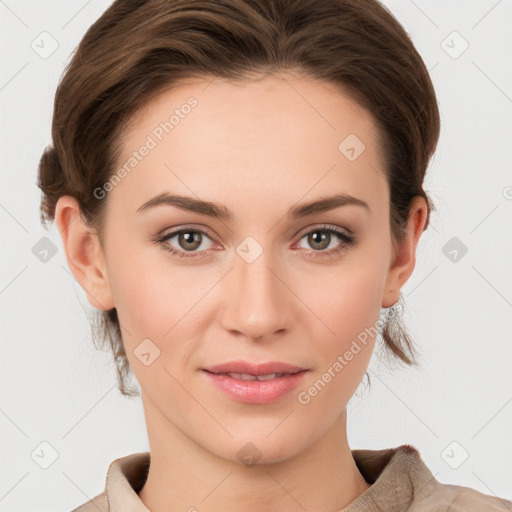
(218, 211)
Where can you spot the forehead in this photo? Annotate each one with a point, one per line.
(283, 133)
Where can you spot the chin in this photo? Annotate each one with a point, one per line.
(261, 448)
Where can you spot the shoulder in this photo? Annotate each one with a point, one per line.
(435, 496)
(125, 477)
(96, 504)
(401, 481)
(455, 498)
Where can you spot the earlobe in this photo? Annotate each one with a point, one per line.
(404, 259)
(83, 253)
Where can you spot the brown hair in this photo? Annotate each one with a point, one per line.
(138, 48)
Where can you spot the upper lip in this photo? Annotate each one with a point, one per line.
(254, 368)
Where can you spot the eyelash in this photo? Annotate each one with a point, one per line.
(348, 241)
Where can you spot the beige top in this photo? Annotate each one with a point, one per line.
(401, 482)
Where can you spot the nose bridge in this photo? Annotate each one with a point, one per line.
(257, 302)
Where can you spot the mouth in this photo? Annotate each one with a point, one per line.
(255, 384)
(248, 376)
(245, 368)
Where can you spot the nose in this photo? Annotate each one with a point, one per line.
(259, 304)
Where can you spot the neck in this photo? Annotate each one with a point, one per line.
(185, 476)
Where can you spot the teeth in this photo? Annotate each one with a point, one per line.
(269, 376)
(246, 376)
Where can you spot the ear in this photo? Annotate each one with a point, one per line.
(83, 253)
(404, 257)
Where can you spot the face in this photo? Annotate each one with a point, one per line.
(270, 282)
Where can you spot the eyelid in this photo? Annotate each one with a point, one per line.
(346, 239)
(340, 229)
(168, 231)
(201, 229)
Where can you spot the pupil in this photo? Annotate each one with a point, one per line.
(191, 237)
(320, 237)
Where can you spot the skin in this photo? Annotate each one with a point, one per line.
(257, 148)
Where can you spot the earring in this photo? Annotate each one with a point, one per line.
(397, 300)
(397, 308)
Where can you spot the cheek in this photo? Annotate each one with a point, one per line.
(143, 289)
(349, 306)
(350, 299)
(162, 302)
(349, 311)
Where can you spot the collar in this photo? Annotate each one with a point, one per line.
(397, 475)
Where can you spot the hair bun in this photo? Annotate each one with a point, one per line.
(51, 180)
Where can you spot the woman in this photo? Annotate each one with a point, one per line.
(239, 189)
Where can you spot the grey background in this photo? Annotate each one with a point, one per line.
(57, 389)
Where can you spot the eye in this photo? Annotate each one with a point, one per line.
(323, 237)
(189, 242)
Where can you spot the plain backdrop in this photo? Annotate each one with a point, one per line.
(61, 417)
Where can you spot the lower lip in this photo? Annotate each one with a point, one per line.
(256, 391)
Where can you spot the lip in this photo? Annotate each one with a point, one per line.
(254, 368)
(255, 391)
